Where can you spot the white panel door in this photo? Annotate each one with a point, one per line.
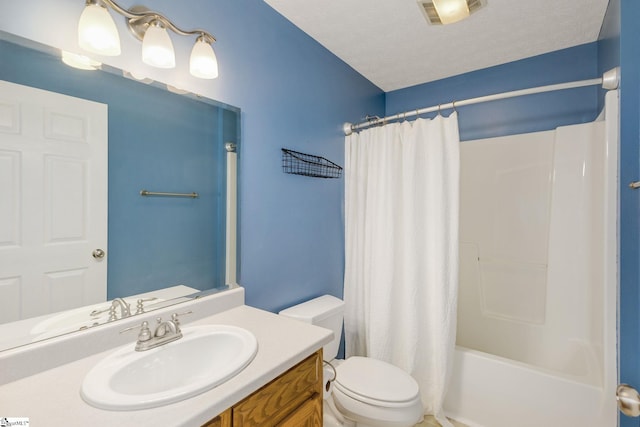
(53, 201)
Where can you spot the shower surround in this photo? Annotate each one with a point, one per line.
(536, 341)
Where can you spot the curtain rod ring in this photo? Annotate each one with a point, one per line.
(454, 107)
(439, 109)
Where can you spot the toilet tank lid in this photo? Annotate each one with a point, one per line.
(316, 309)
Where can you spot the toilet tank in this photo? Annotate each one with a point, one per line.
(325, 311)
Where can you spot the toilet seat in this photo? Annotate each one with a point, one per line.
(376, 383)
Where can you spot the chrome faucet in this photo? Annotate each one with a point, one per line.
(165, 332)
(125, 309)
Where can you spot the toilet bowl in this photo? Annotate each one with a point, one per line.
(365, 392)
(373, 393)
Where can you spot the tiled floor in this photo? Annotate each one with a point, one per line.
(431, 422)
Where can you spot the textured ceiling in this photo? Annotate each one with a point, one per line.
(391, 44)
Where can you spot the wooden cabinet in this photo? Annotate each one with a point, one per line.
(294, 399)
(222, 420)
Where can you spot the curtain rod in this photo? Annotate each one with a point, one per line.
(609, 80)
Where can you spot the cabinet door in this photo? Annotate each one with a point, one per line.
(283, 396)
(294, 399)
(307, 415)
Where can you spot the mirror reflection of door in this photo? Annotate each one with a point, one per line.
(53, 210)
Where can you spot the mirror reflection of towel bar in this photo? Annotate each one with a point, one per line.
(155, 193)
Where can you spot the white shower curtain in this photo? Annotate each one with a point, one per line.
(401, 233)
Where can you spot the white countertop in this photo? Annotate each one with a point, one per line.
(53, 397)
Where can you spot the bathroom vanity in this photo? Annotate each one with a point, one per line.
(282, 384)
(293, 399)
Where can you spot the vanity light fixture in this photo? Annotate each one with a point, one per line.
(157, 49)
(97, 33)
(203, 62)
(443, 12)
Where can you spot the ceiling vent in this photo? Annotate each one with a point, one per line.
(439, 12)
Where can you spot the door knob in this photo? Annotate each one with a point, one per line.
(628, 400)
(98, 254)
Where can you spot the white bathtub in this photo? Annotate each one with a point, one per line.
(490, 391)
(538, 282)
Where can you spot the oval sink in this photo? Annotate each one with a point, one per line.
(203, 358)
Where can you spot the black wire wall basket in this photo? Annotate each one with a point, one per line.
(298, 163)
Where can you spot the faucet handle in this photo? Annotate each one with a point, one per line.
(144, 334)
(112, 314)
(176, 321)
(174, 316)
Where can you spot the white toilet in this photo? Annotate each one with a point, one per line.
(366, 392)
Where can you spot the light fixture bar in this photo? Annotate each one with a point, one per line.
(133, 15)
(149, 27)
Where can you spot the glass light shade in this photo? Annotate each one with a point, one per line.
(97, 32)
(79, 61)
(157, 49)
(451, 11)
(203, 63)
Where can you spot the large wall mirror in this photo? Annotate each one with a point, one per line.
(176, 242)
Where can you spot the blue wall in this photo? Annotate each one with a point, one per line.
(293, 93)
(620, 45)
(609, 42)
(516, 115)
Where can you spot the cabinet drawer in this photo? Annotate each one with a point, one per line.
(274, 402)
(307, 415)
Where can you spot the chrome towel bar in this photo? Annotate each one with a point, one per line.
(155, 193)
